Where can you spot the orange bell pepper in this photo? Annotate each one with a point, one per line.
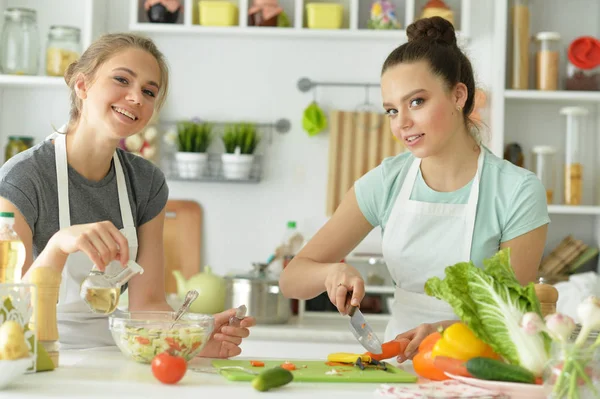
(424, 367)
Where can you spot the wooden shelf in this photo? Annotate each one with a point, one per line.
(564, 95)
(31, 81)
(573, 210)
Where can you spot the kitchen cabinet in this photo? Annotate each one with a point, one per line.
(532, 117)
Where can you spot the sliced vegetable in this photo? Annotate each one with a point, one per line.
(257, 363)
(496, 370)
(272, 378)
(424, 366)
(459, 342)
(452, 366)
(288, 366)
(390, 349)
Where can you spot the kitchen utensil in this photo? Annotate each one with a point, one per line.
(141, 335)
(101, 291)
(318, 371)
(47, 282)
(235, 320)
(189, 298)
(210, 288)
(182, 242)
(259, 291)
(363, 331)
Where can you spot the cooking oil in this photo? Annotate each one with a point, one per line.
(102, 300)
(12, 250)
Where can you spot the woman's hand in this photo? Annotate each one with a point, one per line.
(341, 280)
(225, 340)
(418, 334)
(102, 242)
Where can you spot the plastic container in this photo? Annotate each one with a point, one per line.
(583, 66)
(218, 13)
(63, 48)
(141, 335)
(544, 166)
(324, 15)
(547, 58)
(575, 125)
(519, 44)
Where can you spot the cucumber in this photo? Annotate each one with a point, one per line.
(495, 370)
(272, 378)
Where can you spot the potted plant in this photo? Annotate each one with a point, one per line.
(240, 140)
(193, 139)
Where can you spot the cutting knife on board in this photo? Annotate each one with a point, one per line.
(362, 330)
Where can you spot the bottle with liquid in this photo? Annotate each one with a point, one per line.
(12, 250)
(574, 153)
(101, 292)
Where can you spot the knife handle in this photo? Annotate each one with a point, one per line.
(352, 310)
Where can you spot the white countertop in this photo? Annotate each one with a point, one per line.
(107, 373)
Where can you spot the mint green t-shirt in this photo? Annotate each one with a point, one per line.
(512, 200)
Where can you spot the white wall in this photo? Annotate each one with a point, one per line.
(235, 78)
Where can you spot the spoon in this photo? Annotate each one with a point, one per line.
(189, 298)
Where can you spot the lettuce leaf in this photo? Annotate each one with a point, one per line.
(491, 301)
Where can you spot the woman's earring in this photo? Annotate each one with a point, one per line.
(458, 108)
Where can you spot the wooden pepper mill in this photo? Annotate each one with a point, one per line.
(548, 296)
(47, 281)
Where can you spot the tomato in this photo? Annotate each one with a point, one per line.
(167, 368)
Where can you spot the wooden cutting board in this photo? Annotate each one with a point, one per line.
(316, 371)
(182, 237)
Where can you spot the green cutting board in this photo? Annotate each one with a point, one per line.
(315, 371)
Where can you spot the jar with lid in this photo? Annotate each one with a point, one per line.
(519, 44)
(20, 42)
(575, 126)
(17, 144)
(544, 166)
(583, 66)
(63, 48)
(547, 60)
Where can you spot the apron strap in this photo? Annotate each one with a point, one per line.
(472, 205)
(62, 180)
(124, 205)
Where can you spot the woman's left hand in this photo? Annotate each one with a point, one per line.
(225, 340)
(416, 335)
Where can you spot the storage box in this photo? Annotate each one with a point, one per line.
(218, 13)
(324, 15)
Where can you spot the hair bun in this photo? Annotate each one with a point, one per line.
(434, 29)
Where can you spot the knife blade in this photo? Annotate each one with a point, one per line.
(363, 332)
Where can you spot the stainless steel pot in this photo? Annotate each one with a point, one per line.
(259, 291)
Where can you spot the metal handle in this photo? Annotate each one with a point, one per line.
(189, 298)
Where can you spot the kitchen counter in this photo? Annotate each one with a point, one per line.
(106, 372)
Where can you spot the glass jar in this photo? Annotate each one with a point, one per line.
(572, 372)
(583, 66)
(519, 44)
(544, 167)
(17, 144)
(575, 126)
(20, 42)
(63, 48)
(547, 60)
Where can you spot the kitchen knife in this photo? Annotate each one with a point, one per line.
(363, 331)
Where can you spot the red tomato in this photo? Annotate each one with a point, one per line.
(168, 369)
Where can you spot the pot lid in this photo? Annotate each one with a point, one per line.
(260, 272)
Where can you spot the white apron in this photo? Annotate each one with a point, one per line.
(420, 240)
(78, 326)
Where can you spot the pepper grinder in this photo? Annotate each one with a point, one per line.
(548, 296)
(47, 281)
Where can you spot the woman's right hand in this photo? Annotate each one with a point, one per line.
(102, 242)
(341, 280)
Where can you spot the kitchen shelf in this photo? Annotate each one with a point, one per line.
(573, 210)
(31, 81)
(562, 95)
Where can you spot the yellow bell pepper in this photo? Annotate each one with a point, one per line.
(459, 342)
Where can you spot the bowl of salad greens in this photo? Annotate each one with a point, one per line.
(141, 335)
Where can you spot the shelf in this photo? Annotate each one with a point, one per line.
(565, 95)
(31, 81)
(573, 210)
(273, 32)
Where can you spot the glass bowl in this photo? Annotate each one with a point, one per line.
(141, 335)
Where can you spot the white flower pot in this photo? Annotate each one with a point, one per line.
(191, 165)
(237, 166)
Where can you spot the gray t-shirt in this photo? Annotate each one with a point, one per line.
(28, 180)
